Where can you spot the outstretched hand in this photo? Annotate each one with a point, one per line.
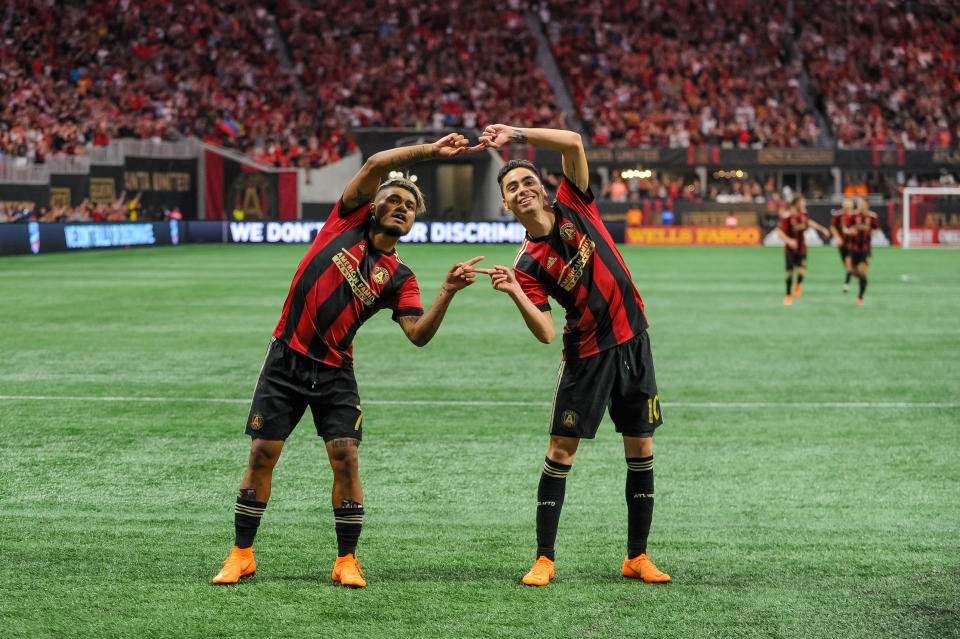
(496, 135)
(501, 278)
(454, 144)
(463, 274)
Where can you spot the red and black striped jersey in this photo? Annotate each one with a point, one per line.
(863, 225)
(579, 265)
(838, 219)
(340, 283)
(795, 225)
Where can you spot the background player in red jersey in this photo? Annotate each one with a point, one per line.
(793, 224)
(859, 232)
(838, 220)
(350, 272)
(569, 255)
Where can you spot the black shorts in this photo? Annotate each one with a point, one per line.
(289, 382)
(620, 378)
(860, 257)
(798, 260)
(844, 254)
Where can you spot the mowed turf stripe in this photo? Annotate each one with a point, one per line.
(425, 402)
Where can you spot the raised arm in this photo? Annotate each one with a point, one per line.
(569, 143)
(364, 184)
(420, 330)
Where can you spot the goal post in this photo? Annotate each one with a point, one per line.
(922, 234)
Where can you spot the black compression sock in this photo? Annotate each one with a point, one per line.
(348, 522)
(246, 520)
(639, 503)
(553, 483)
(863, 286)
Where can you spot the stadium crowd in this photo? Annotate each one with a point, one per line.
(284, 82)
(884, 73)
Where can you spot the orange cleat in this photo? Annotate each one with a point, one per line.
(347, 571)
(788, 301)
(797, 290)
(640, 567)
(859, 301)
(541, 573)
(239, 564)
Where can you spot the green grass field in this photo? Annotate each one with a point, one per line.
(808, 476)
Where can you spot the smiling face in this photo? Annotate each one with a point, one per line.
(523, 193)
(395, 209)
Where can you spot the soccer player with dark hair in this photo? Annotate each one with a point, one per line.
(859, 231)
(793, 224)
(569, 255)
(350, 272)
(840, 218)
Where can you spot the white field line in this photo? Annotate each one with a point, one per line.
(424, 402)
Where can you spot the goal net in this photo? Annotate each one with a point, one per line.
(930, 218)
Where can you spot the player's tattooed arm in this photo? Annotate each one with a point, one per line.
(364, 184)
(518, 136)
(416, 154)
(569, 143)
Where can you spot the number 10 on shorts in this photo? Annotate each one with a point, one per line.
(653, 408)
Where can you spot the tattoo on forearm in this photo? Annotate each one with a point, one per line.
(519, 136)
(359, 198)
(417, 154)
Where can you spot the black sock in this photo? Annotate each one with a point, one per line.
(789, 285)
(639, 503)
(863, 286)
(847, 281)
(348, 522)
(553, 484)
(246, 520)
(799, 279)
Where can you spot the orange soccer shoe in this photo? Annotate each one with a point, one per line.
(347, 571)
(788, 301)
(859, 301)
(797, 290)
(541, 573)
(239, 564)
(640, 567)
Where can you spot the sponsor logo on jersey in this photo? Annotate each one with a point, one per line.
(572, 271)
(347, 264)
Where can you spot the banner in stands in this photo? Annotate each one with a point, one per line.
(694, 235)
(238, 191)
(161, 183)
(936, 236)
(36, 238)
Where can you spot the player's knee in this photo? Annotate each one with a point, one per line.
(343, 459)
(263, 457)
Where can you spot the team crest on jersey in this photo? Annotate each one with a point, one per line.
(256, 422)
(570, 418)
(567, 231)
(380, 275)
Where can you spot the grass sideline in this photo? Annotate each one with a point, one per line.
(797, 521)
